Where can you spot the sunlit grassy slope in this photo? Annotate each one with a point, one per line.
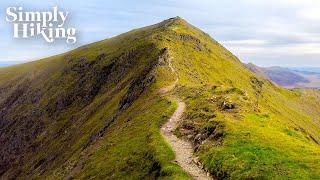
(243, 126)
(95, 112)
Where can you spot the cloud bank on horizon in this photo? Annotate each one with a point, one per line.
(265, 32)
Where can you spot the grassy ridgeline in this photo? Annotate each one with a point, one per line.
(95, 112)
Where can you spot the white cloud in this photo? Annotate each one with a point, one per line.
(247, 42)
(293, 49)
(310, 13)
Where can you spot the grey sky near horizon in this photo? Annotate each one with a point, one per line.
(265, 32)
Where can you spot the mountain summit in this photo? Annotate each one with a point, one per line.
(96, 113)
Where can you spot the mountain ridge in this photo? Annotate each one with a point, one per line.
(96, 112)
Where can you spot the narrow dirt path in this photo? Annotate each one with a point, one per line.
(183, 149)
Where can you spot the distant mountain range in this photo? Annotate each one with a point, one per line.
(307, 69)
(289, 77)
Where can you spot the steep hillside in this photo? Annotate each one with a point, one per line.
(96, 112)
(92, 112)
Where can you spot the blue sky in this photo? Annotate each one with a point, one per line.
(265, 32)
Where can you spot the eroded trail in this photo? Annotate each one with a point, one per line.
(183, 149)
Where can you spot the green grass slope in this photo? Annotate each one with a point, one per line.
(91, 113)
(242, 125)
(95, 112)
